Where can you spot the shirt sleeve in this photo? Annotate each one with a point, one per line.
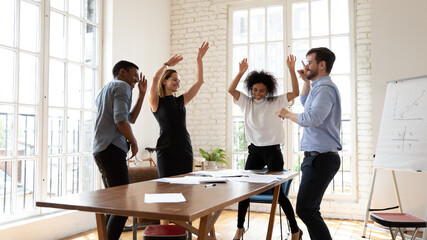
(323, 100)
(303, 98)
(243, 99)
(121, 101)
(283, 100)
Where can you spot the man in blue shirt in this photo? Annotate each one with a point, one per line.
(113, 133)
(321, 120)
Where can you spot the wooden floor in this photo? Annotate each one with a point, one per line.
(226, 225)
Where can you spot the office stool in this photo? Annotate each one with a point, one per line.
(396, 221)
(160, 232)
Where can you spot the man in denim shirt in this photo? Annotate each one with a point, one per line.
(113, 133)
(321, 120)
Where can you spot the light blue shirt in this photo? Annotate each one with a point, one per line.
(113, 104)
(321, 118)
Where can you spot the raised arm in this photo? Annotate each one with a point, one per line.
(153, 97)
(142, 87)
(290, 61)
(243, 66)
(303, 74)
(191, 93)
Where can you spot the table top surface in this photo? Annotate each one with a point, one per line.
(128, 200)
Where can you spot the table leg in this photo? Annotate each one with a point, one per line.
(101, 225)
(273, 212)
(203, 227)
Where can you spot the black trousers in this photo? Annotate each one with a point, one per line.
(258, 158)
(317, 173)
(112, 165)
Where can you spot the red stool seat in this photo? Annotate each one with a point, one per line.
(170, 232)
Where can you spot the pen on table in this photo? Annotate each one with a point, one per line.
(210, 185)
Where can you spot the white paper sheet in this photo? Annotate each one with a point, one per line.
(164, 198)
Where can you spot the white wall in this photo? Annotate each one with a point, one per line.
(135, 30)
(141, 34)
(399, 50)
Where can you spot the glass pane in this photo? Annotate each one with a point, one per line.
(6, 186)
(256, 59)
(239, 141)
(239, 53)
(58, 4)
(29, 27)
(7, 18)
(57, 35)
(240, 27)
(339, 16)
(55, 131)
(7, 124)
(88, 174)
(73, 174)
(300, 20)
(75, 7)
(74, 85)
(275, 23)
(27, 134)
(75, 38)
(7, 68)
(73, 131)
(88, 125)
(25, 184)
(300, 49)
(54, 177)
(28, 78)
(257, 25)
(341, 47)
(91, 45)
(346, 134)
(320, 42)
(90, 81)
(275, 59)
(56, 83)
(91, 10)
(319, 18)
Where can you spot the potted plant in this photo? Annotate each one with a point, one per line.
(216, 156)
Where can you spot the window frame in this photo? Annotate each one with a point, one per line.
(42, 107)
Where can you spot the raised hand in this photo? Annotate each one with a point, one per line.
(243, 65)
(175, 59)
(290, 61)
(303, 72)
(142, 83)
(202, 50)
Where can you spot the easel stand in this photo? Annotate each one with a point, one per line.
(369, 209)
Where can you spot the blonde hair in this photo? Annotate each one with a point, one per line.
(160, 86)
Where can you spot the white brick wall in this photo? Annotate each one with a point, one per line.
(194, 21)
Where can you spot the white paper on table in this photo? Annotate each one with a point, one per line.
(164, 198)
(256, 179)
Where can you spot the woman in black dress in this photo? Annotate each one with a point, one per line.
(174, 151)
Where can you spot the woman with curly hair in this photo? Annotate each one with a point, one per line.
(264, 130)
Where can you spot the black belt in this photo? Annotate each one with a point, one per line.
(314, 154)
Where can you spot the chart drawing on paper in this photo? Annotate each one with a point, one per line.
(405, 139)
(408, 109)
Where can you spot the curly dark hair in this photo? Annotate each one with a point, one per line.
(265, 78)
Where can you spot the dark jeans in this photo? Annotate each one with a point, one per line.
(257, 159)
(317, 173)
(112, 165)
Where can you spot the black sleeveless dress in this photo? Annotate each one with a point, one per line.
(174, 150)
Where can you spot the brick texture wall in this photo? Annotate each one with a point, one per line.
(195, 21)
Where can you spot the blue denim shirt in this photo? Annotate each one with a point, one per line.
(321, 118)
(113, 104)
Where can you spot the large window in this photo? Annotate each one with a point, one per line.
(49, 54)
(266, 34)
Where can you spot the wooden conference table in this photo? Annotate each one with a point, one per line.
(201, 202)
